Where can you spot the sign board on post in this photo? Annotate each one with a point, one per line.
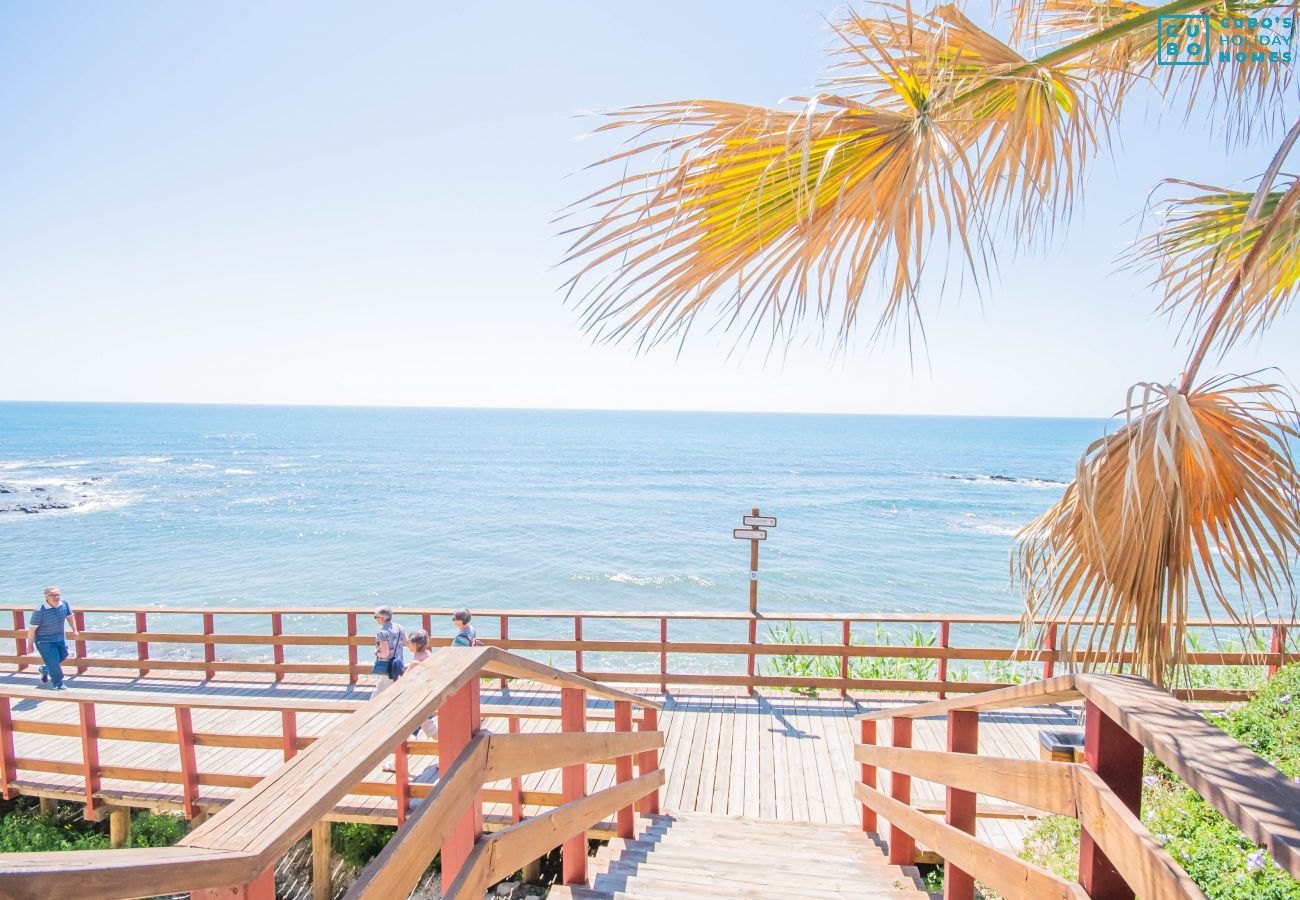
(760, 521)
(749, 534)
(753, 533)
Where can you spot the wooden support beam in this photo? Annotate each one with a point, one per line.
(89, 757)
(49, 807)
(458, 722)
(963, 737)
(209, 649)
(352, 648)
(262, 888)
(119, 827)
(79, 617)
(623, 766)
(189, 765)
(869, 823)
(573, 710)
(142, 646)
(647, 762)
(902, 846)
(277, 630)
(1116, 757)
(8, 767)
(322, 867)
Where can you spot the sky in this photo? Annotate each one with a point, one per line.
(347, 203)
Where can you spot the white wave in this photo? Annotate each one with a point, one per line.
(1006, 480)
(240, 472)
(645, 580)
(44, 464)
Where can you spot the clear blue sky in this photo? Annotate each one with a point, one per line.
(319, 202)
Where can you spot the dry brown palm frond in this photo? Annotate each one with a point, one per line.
(1192, 501)
(779, 214)
(1200, 247)
(1032, 126)
(1242, 96)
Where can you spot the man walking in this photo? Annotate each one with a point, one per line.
(46, 632)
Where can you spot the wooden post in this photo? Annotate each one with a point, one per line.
(844, 660)
(573, 717)
(516, 785)
(458, 721)
(944, 632)
(577, 637)
(119, 827)
(261, 888)
(322, 872)
(623, 765)
(8, 767)
(20, 639)
(89, 757)
(750, 666)
(753, 573)
(427, 621)
(80, 618)
(1277, 644)
(352, 655)
(1049, 657)
(289, 732)
(663, 655)
(505, 637)
(402, 782)
(142, 647)
(189, 761)
(647, 761)
(902, 847)
(277, 630)
(1116, 757)
(49, 807)
(869, 824)
(209, 648)
(959, 808)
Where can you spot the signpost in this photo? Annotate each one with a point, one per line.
(754, 532)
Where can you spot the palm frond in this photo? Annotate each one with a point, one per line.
(1200, 247)
(784, 213)
(1194, 500)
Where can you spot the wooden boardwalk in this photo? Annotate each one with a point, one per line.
(772, 756)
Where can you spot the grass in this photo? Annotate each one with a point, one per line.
(24, 830)
(1210, 849)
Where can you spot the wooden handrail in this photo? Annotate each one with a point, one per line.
(1125, 715)
(240, 843)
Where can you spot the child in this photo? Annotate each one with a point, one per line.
(465, 634)
(390, 639)
(418, 643)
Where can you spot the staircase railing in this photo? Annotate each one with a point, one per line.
(1118, 858)
(233, 853)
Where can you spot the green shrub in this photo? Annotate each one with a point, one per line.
(157, 829)
(24, 830)
(359, 843)
(1210, 849)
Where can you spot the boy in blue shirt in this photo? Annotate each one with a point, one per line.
(46, 632)
(465, 635)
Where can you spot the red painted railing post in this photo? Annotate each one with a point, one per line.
(20, 639)
(209, 648)
(869, 823)
(944, 633)
(459, 718)
(505, 636)
(426, 620)
(844, 660)
(516, 785)
(959, 808)
(573, 717)
(663, 655)
(263, 888)
(289, 733)
(8, 766)
(1277, 644)
(623, 765)
(352, 655)
(142, 647)
(402, 781)
(902, 847)
(577, 636)
(647, 761)
(277, 630)
(189, 760)
(89, 756)
(80, 618)
(1049, 657)
(1116, 757)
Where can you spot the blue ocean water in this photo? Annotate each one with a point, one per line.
(222, 505)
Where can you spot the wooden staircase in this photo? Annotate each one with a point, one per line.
(696, 856)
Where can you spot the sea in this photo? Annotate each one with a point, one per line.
(198, 506)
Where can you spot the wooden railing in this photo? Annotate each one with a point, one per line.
(353, 639)
(233, 853)
(1124, 717)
